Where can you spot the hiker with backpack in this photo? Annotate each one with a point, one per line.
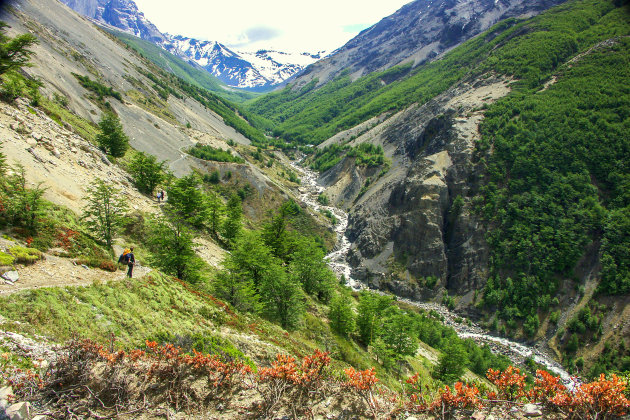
(129, 259)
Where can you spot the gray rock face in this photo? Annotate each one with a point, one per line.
(122, 14)
(419, 31)
(416, 222)
(19, 411)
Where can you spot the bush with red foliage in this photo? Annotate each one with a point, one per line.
(602, 399)
(302, 384)
(465, 397)
(510, 383)
(364, 383)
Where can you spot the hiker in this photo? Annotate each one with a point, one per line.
(131, 261)
(162, 194)
(159, 196)
(123, 257)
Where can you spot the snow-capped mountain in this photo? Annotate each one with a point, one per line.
(248, 70)
(252, 70)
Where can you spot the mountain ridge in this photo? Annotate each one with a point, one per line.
(251, 71)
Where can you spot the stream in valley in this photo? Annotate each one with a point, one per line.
(309, 191)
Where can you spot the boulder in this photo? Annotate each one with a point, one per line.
(19, 411)
(11, 276)
(531, 410)
(4, 397)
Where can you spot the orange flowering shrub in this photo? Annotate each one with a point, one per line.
(66, 238)
(364, 383)
(415, 398)
(510, 383)
(285, 376)
(546, 388)
(603, 398)
(465, 397)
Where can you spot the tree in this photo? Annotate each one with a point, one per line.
(186, 200)
(147, 172)
(452, 362)
(341, 315)
(105, 210)
(398, 334)
(370, 308)
(275, 231)
(282, 297)
(14, 52)
(173, 249)
(232, 222)
(243, 271)
(112, 139)
(215, 213)
(311, 271)
(23, 205)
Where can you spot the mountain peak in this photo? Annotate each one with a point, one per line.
(256, 71)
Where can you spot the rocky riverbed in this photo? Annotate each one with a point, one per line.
(310, 190)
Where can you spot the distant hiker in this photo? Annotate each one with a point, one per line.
(131, 261)
(159, 196)
(162, 195)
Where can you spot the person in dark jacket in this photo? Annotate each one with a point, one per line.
(131, 261)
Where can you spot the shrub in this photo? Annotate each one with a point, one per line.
(108, 265)
(26, 255)
(6, 259)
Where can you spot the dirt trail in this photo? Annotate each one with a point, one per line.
(60, 272)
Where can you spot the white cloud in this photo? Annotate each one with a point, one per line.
(290, 25)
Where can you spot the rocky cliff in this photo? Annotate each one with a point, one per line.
(413, 232)
(419, 31)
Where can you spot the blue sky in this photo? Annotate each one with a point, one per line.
(287, 25)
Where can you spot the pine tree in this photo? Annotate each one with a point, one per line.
(14, 52)
(22, 205)
(186, 200)
(397, 333)
(147, 172)
(173, 249)
(232, 222)
(452, 363)
(341, 315)
(105, 210)
(282, 297)
(370, 308)
(311, 271)
(112, 139)
(216, 210)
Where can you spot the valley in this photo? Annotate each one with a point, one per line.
(433, 222)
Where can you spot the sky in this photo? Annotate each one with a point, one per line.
(285, 25)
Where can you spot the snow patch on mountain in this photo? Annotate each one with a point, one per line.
(249, 70)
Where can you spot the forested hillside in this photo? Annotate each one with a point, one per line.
(551, 164)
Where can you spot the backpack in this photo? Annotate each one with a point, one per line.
(124, 257)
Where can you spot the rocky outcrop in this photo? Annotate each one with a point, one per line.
(419, 31)
(415, 224)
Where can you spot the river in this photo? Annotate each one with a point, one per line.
(309, 191)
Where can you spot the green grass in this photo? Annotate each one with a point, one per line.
(205, 152)
(132, 310)
(61, 115)
(6, 259)
(26, 255)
